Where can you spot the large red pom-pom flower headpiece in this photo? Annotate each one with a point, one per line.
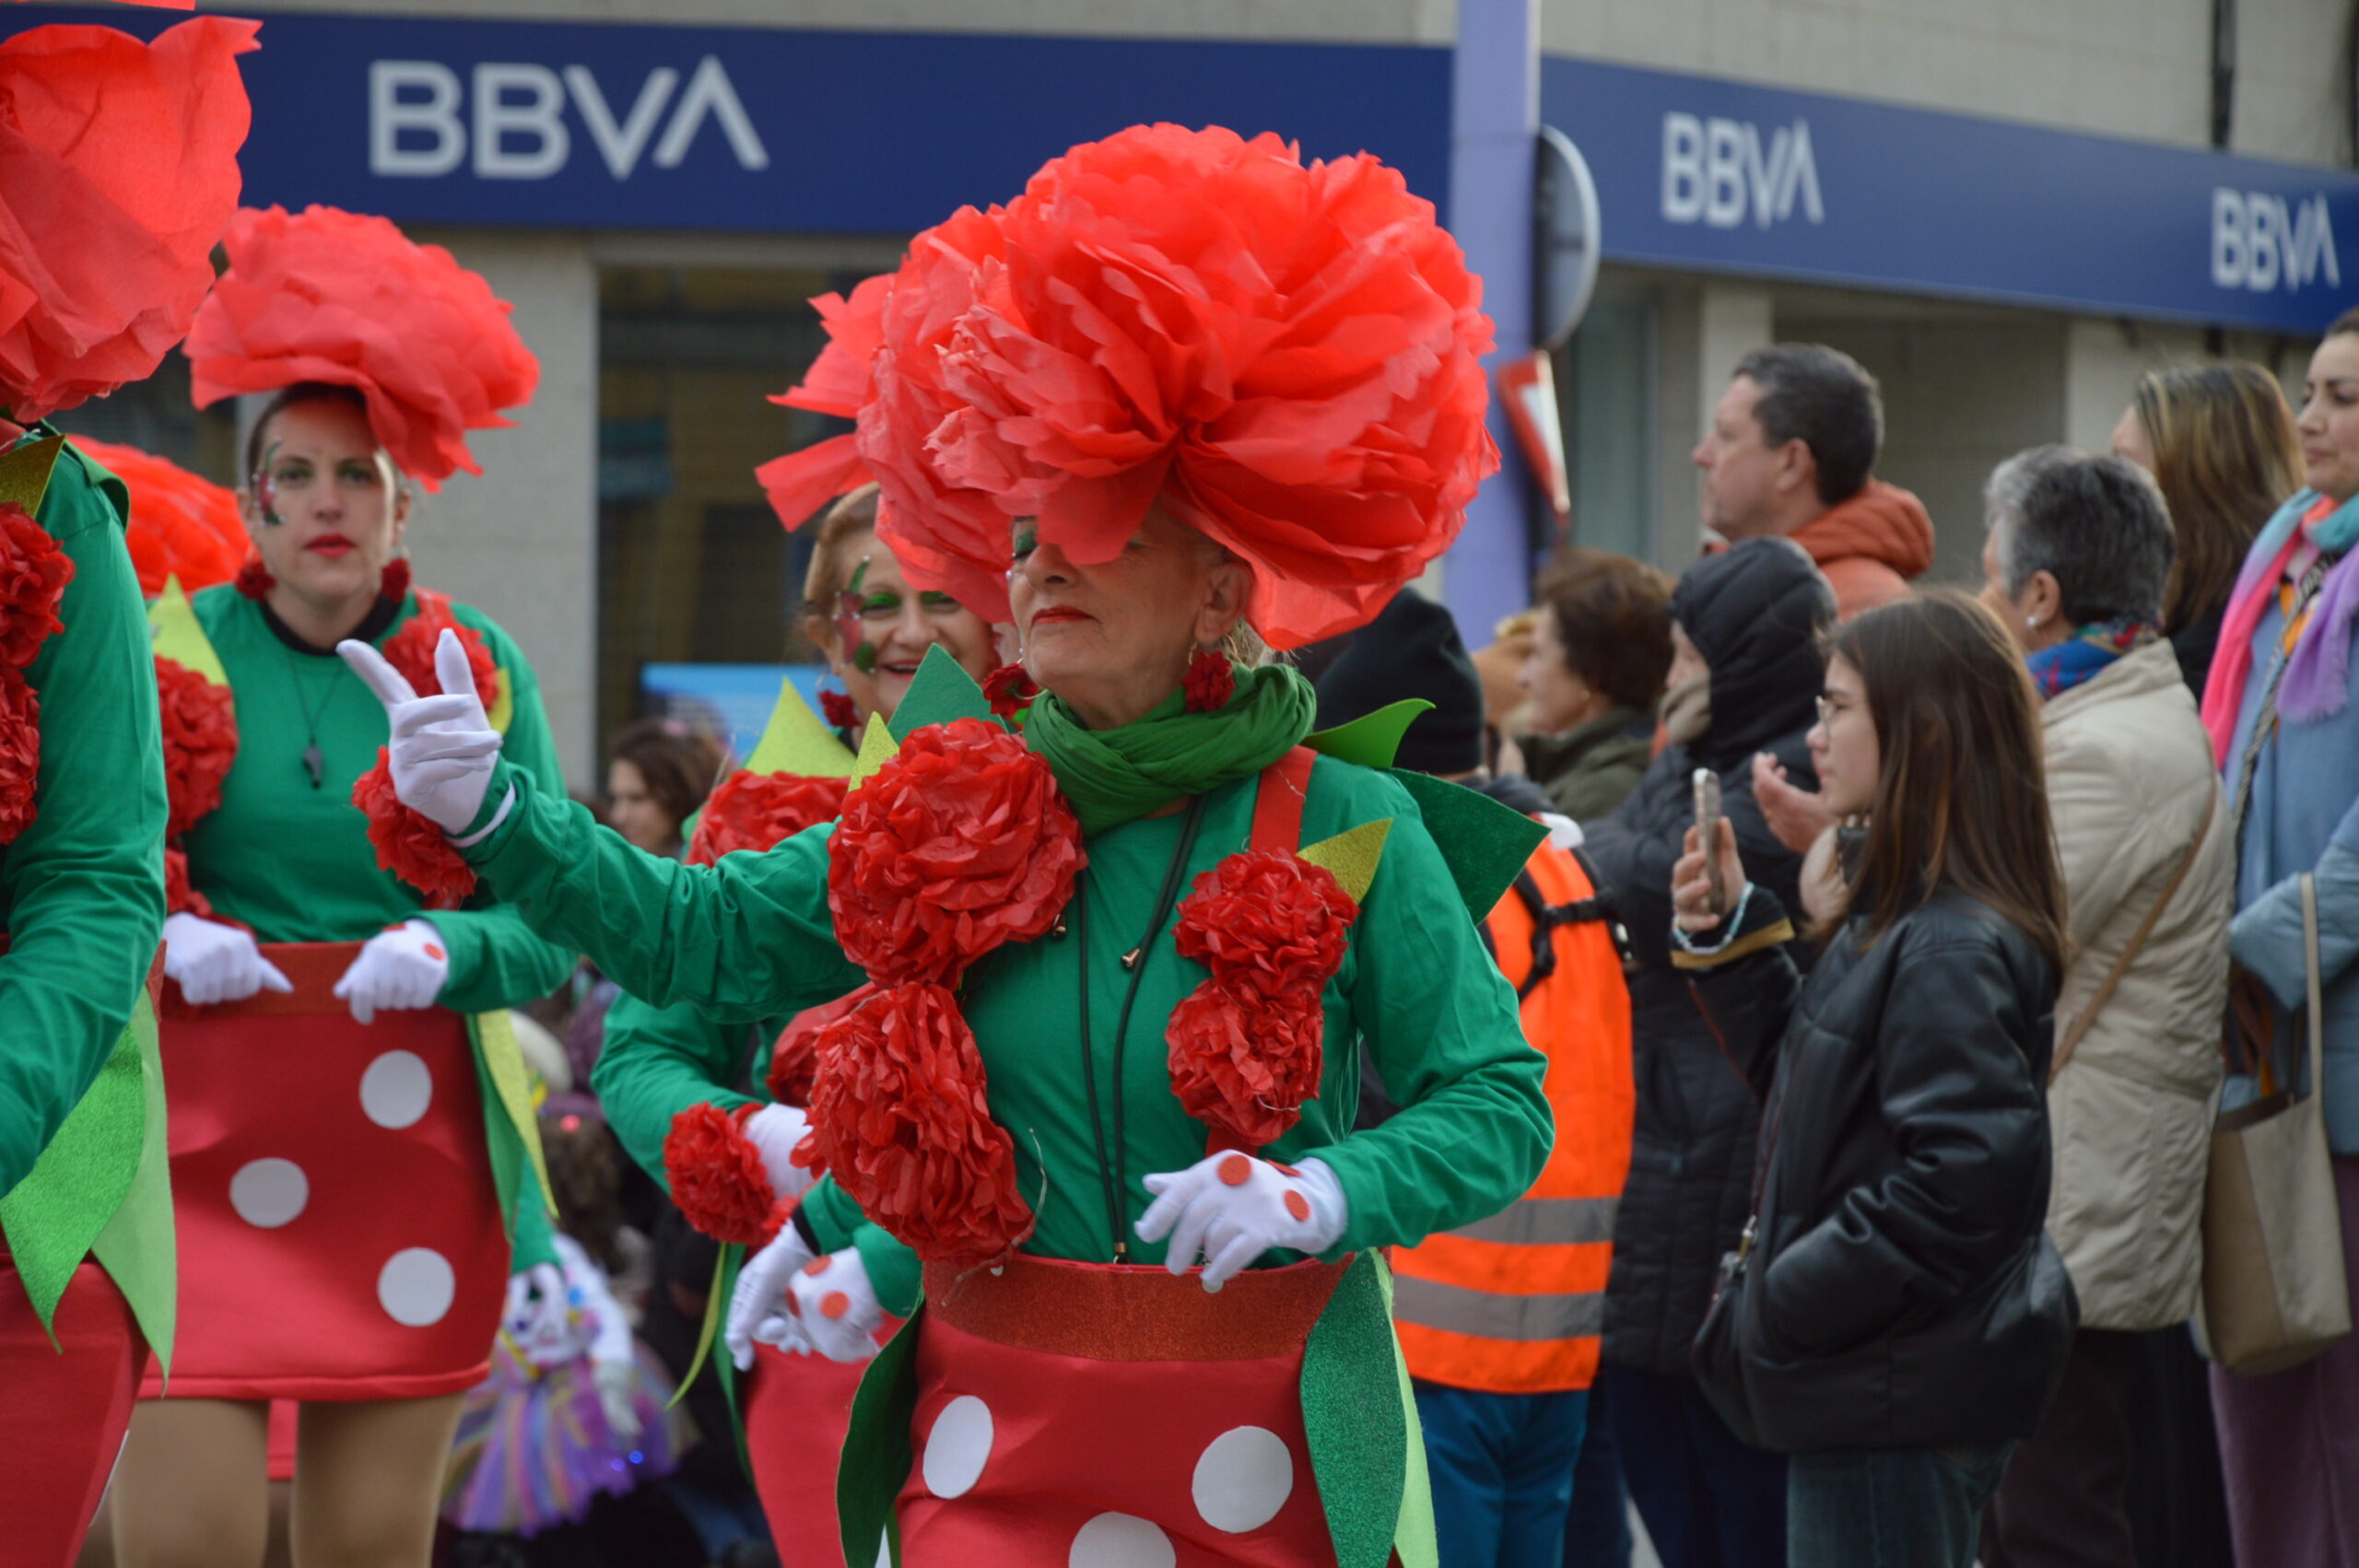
(181, 526)
(324, 295)
(118, 168)
(1286, 355)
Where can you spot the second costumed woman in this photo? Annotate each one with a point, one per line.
(350, 1130)
(1118, 972)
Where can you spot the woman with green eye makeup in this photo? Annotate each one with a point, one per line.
(873, 625)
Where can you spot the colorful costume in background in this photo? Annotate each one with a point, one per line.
(294, 1125)
(1081, 957)
(117, 171)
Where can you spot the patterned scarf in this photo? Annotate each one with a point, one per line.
(2318, 670)
(2087, 653)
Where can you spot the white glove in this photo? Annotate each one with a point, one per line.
(1234, 1208)
(403, 967)
(775, 1130)
(832, 1309)
(537, 1311)
(760, 1283)
(614, 1380)
(443, 748)
(215, 963)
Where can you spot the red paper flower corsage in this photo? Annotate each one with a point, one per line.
(411, 650)
(1009, 690)
(408, 843)
(718, 1178)
(755, 810)
(200, 742)
(33, 574)
(1210, 681)
(795, 1057)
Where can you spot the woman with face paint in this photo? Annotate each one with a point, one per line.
(350, 1133)
(662, 1063)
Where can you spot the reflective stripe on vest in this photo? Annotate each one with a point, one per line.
(1513, 1303)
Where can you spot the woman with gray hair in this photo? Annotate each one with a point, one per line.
(2078, 555)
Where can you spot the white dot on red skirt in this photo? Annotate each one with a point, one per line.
(957, 1447)
(416, 1286)
(1120, 1540)
(268, 1193)
(397, 1089)
(1243, 1479)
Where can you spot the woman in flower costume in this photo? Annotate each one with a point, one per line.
(351, 1134)
(681, 1067)
(1121, 969)
(118, 168)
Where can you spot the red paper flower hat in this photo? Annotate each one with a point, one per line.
(181, 526)
(324, 295)
(118, 168)
(882, 367)
(1286, 355)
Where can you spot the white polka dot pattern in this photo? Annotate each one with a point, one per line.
(266, 1194)
(957, 1447)
(1243, 1479)
(416, 1287)
(397, 1090)
(1120, 1540)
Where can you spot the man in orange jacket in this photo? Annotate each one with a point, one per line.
(1500, 1319)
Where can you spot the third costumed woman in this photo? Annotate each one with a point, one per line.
(352, 1132)
(1121, 972)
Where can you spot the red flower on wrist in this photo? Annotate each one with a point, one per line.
(960, 842)
(718, 1177)
(33, 574)
(408, 843)
(755, 810)
(899, 1118)
(1009, 690)
(20, 753)
(200, 728)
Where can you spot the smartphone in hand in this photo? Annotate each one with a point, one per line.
(1707, 831)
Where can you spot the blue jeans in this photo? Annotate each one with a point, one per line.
(1502, 1468)
(1890, 1508)
(1709, 1500)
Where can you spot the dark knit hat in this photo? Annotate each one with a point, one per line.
(1412, 649)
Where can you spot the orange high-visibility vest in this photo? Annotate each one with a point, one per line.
(1514, 1303)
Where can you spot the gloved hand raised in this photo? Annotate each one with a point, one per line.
(443, 748)
(402, 967)
(1233, 1208)
(215, 963)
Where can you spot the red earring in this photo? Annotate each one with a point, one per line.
(838, 709)
(1210, 682)
(1009, 690)
(394, 583)
(253, 579)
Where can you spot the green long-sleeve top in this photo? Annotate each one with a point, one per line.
(751, 938)
(294, 861)
(82, 888)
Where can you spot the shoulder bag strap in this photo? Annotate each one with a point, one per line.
(2081, 1025)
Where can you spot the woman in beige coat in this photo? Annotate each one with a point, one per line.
(2077, 557)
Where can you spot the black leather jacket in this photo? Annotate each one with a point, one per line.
(1899, 1290)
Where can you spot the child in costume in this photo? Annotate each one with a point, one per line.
(118, 168)
(677, 1066)
(352, 1141)
(1185, 382)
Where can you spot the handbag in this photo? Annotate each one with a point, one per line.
(2274, 1290)
(2081, 1025)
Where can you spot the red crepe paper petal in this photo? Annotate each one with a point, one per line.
(20, 753)
(253, 579)
(755, 810)
(1287, 355)
(899, 1118)
(393, 581)
(1009, 690)
(180, 898)
(794, 1059)
(838, 709)
(411, 650)
(181, 526)
(200, 729)
(1210, 682)
(1244, 1065)
(718, 1178)
(1266, 922)
(408, 843)
(33, 574)
(118, 168)
(330, 295)
(960, 842)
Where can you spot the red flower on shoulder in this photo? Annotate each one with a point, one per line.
(718, 1178)
(794, 1059)
(411, 650)
(180, 898)
(899, 1118)
(1245, 1064)
(755, 810)
(1009, 690)
(33, 574)
(20, 753)
(408, 843)
(200, 742)
(960, 842)
(1266, 922)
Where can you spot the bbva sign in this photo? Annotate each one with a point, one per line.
(1718, 172)
(519, 130)
(2261, 244)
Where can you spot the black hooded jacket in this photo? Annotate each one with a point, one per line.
(1756, 615)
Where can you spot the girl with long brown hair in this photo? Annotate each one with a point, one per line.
(1895, 1318)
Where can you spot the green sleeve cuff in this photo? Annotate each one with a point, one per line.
(506, 776)
(831, 1214)
(893, 1269)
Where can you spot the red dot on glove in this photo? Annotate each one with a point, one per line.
(1298, 1206)
(817, 1265)
(794, 1308)
(1284, 1170)
(835, 1304)
(433, 952)
(1235, 1170)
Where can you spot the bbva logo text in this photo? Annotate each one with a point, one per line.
(417, 129)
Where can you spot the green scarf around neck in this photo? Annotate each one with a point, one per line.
(1112, 776)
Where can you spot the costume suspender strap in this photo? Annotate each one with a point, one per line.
(1277, 803)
